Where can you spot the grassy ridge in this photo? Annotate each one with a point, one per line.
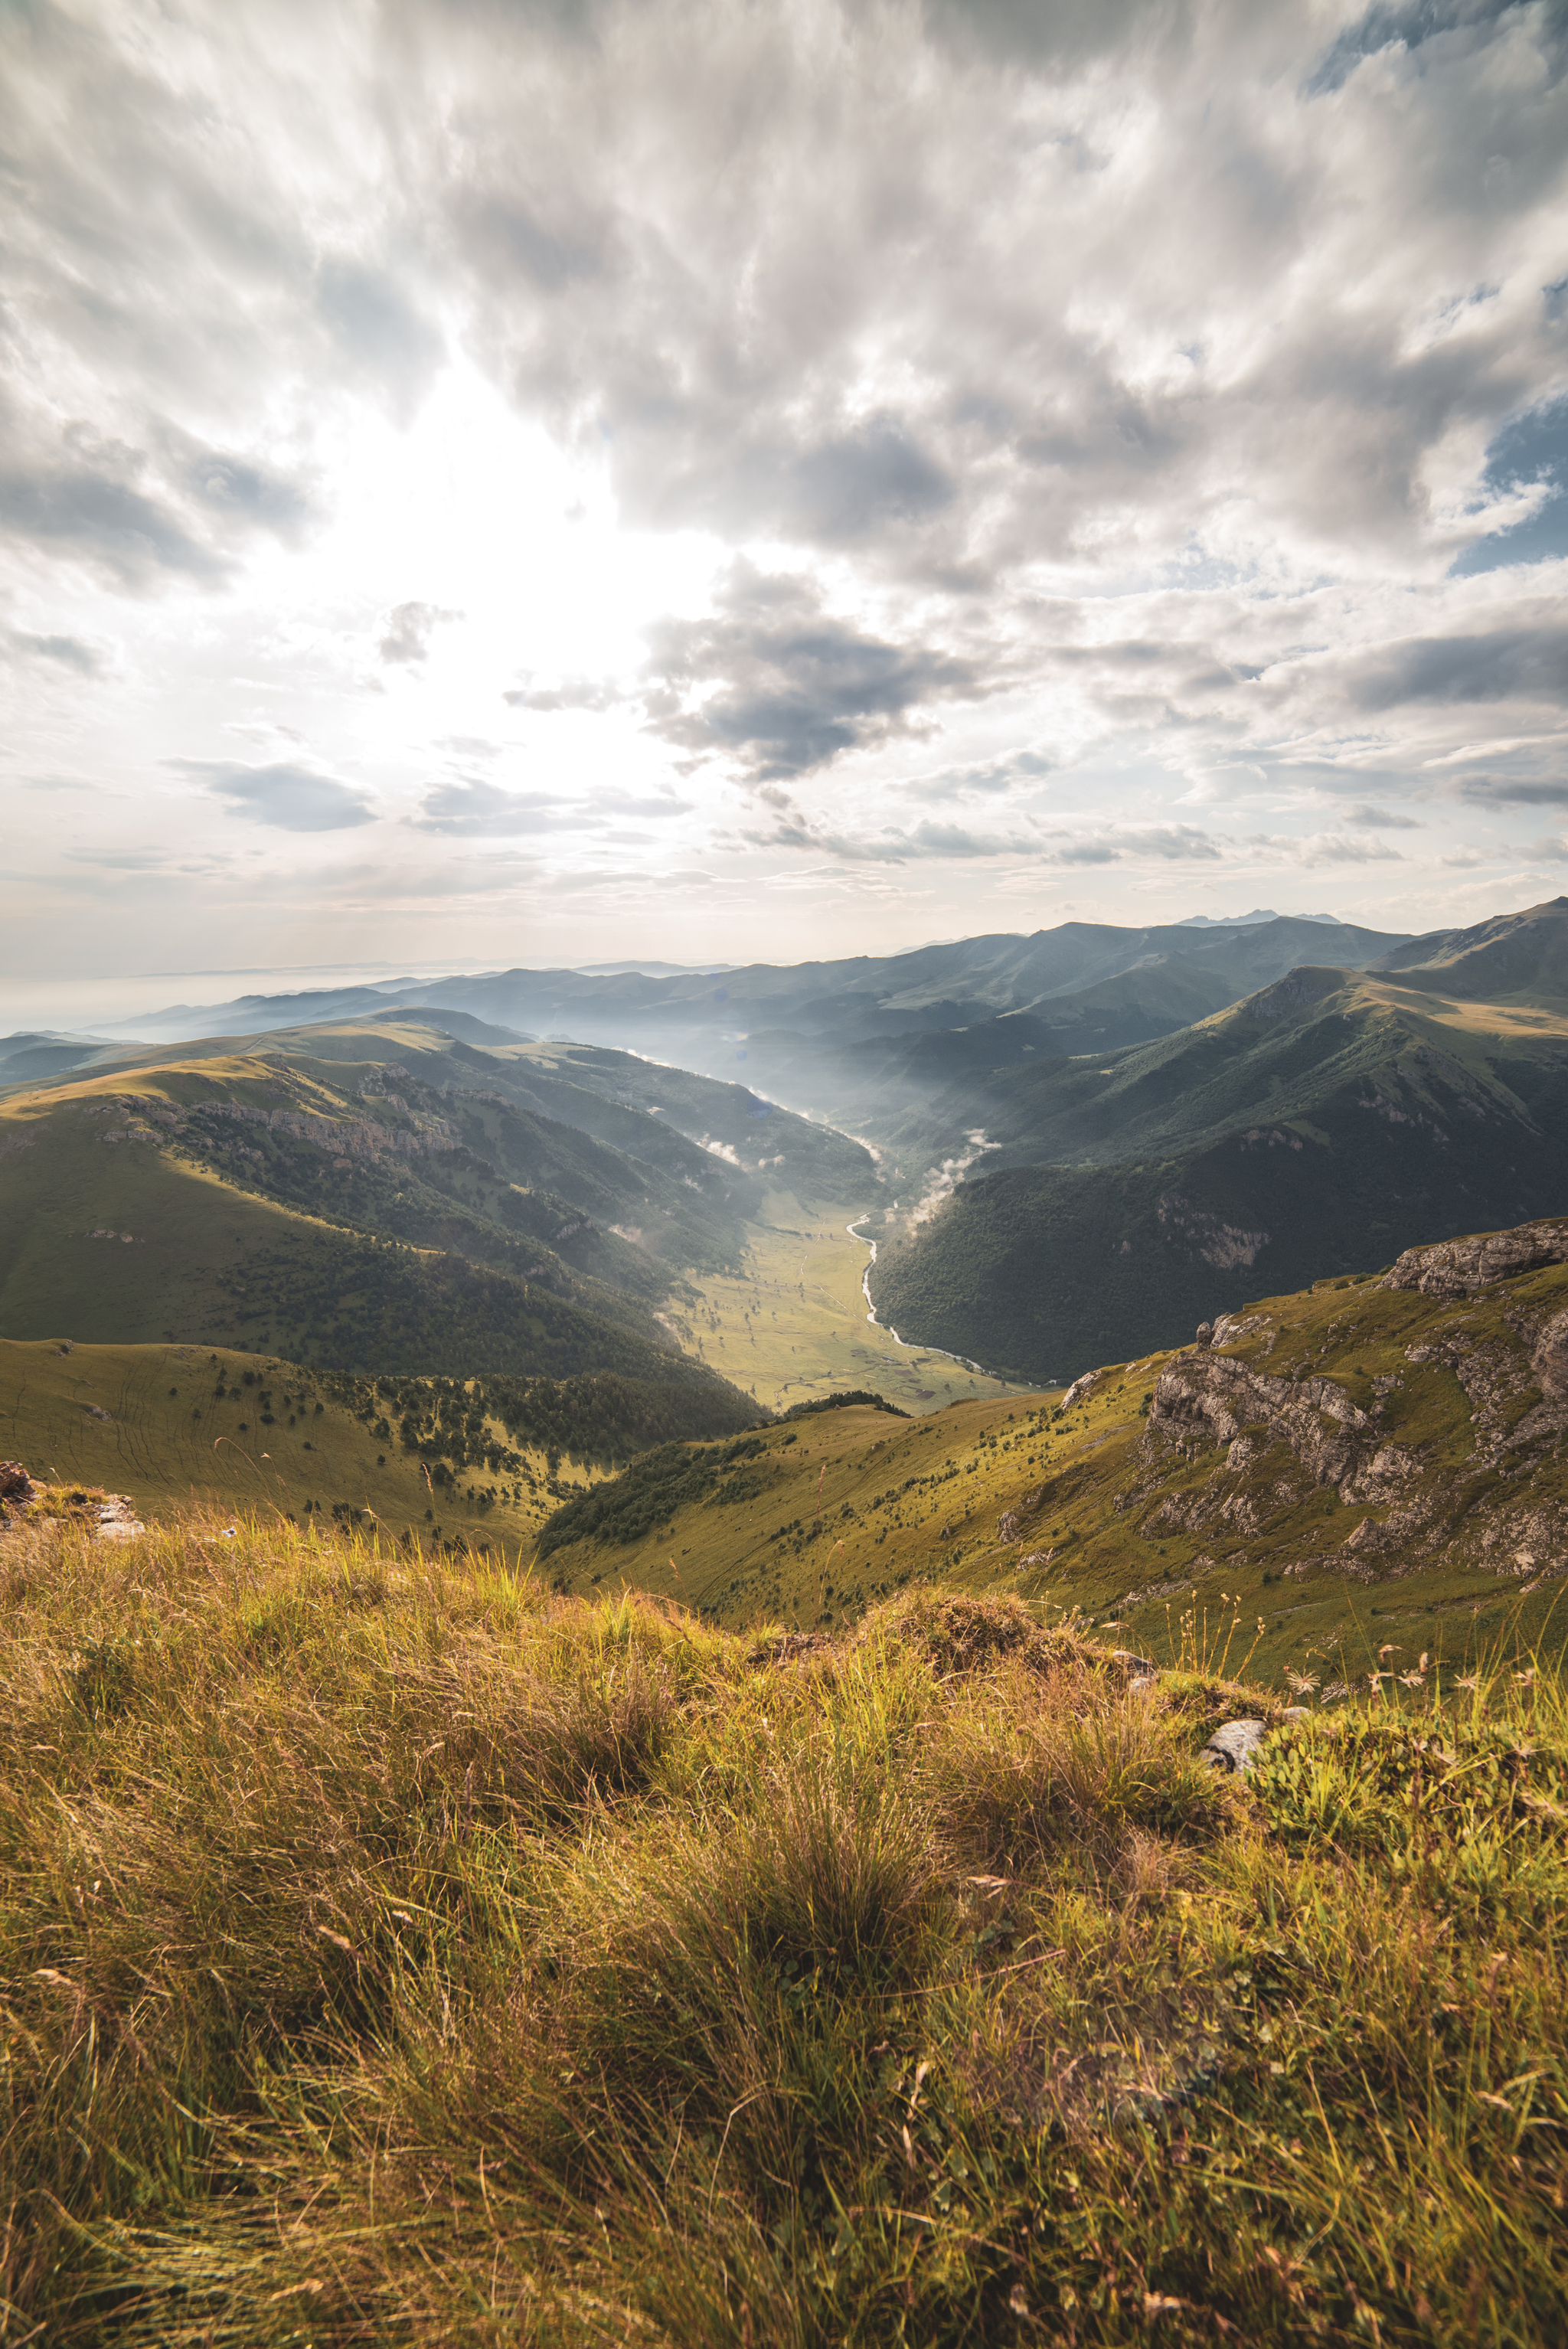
(151, 1422)
(465, 1460)
(145, 1209)
(1446, 1520)
(392, 1953)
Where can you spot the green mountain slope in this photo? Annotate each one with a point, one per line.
(302, 1210)
(445, 1460)
(1280, 1141)
(1373, 1451)
(1513, 958)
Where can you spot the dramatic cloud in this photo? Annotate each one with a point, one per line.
(928, 448)
(294, 799)
(1524, 664)
(779, 684)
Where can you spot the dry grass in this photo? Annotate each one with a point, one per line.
(395, 1953)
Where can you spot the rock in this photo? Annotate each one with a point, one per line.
(1550, 1360)
(1210, 1398)
(1205, 1334)
(1131, 1663)
(15, 1485)
(1010, 1524)
(117, 1518)
(1235, 1746)
(1076, 1392)
(1458, 1268)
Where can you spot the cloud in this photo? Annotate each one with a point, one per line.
(1164, 843)
(470, 806)
(1175, 389)
(1527, 461)
(409, 629)
(1324, 848)
(1407, 24)
(990, 777)
(1517, 792)
(1380, 819)
(473, 808)
(66, 652)
(293, 798)
(777, 685)
(1521, 663)
(574, 693)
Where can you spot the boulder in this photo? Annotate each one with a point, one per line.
(1236, 1745)
(1458, 1268)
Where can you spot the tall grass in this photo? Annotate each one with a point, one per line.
(393, 1953)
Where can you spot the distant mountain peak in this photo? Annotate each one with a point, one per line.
(1250, 921)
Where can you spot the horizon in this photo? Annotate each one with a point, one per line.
(147, 990)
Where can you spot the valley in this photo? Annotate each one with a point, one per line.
(519, 1294)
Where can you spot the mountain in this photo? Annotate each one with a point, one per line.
(1513, 958)
(1392, 1446)
(786, 1023)
(34, 1055)
(1269, 1145)
(335, 1198)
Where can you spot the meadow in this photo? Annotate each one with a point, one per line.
(173, 1427)
(396, 1951)
(790, 1324)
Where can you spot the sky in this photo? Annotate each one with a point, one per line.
(495, 481)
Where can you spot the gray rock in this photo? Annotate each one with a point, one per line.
(1131, 1663)
(1458, 1268)
(1235, 1746)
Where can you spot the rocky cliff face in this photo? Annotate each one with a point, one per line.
(1435, 1407)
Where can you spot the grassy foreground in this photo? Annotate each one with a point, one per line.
(394, 1953)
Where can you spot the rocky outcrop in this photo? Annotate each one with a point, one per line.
(1454, 1268)
(1010, 1524)
(16, 1488)
(1224, 1246)
(111, 1514)
(1208, 1399)
(1079, 1388)
(1236, 1746)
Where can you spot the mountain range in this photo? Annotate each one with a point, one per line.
(1065, 1146)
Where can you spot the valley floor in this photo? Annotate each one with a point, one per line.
(794, 1326)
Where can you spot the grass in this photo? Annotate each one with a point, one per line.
(792, 1323)
(148, 1422)
(842, 1510)
(396, 1952)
